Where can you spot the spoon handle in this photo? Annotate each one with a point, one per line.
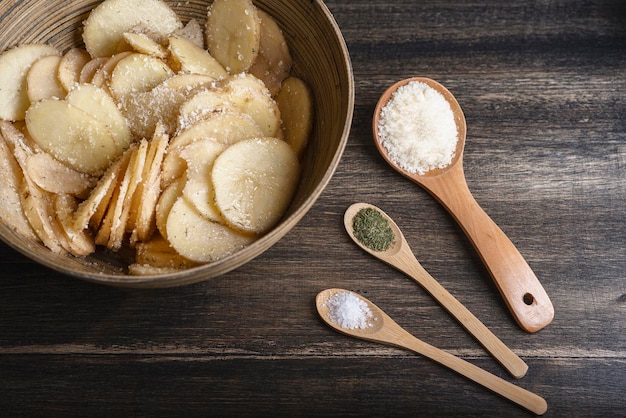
(523, 293)
(520, 396)
(503, 354)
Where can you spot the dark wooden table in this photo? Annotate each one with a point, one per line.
(542, 85)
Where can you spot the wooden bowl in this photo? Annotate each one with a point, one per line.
(320, 58)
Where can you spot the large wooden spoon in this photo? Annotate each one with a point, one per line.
(385, 330)
(523, 293)
(400, 256)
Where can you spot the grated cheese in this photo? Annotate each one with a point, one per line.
(417, 128)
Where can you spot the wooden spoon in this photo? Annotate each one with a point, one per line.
(384, 330)
(400, 256)
(523, 293)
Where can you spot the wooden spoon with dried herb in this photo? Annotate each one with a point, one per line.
(375, 232)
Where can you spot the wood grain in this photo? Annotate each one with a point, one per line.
(541, 85)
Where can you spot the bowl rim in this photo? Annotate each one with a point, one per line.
(232, 261)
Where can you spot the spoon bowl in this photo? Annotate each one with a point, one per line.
(385, 330)
(522, 292)
(459, 120)
(400, 256)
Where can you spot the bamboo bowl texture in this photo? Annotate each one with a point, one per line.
(320, 58)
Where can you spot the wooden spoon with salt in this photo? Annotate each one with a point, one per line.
(385, 330)
(400, 256)
(521, 290)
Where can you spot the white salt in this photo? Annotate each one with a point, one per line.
(417, 128)
(348, 311)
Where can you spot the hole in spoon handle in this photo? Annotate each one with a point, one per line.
(521, 290)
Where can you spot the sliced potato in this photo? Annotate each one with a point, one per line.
(142, 43)
(137, 73)
(188, 57)
(14, 66)
(80, 242)
(98, 104)
(244, 80)
(104, 29)
(102, 77)
(11, 212)
(55, 177)
(142, 222)
(166, 201)
(90, 69)
(159, 253)
(42, 81)
(18, 144)
(160, 105)
(233, 34)
(98, 201)
(118, 213)
(71, 136)
(273, 63)
(198, 190)
(202, 104)
(38, 209)
(254, 181)
(199, 239)
(225, 127)
(295, 102)
(259, 105)
(70, 67)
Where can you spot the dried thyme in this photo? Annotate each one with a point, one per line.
(372, 229)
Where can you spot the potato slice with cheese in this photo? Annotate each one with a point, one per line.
(225, 127)
(99, 105)
(113, 228)
(201, 105)
(39, 210)
(90, 69)
(11, 212)
(233, 34)
(141, 222)
(143, 44)
(200, 156)
(198, 239)
(42, 81)
(137, 73)
(254, 181)
(14, 66)
(157, 252)
(71, 136)
(144, 111)
(55, 177)
(295, 102)
(70, 67)
(103, 30)
(80, 243)
(92, 210)
(259, 105)
(273, 63)
(188, 57)
(244, 80)
(102, 76)
(166, 200)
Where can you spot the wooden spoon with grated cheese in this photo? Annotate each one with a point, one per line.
(523, 293)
